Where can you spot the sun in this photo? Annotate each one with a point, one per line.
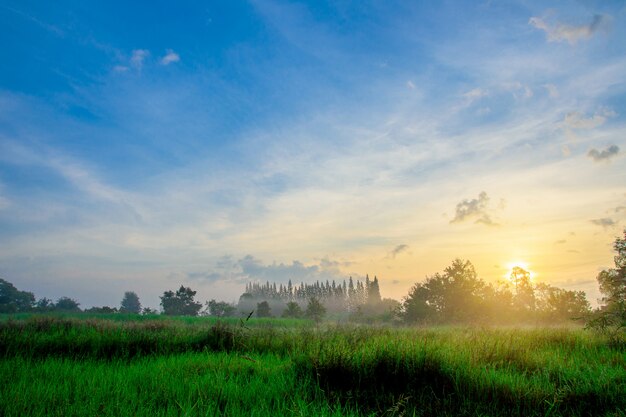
(518, 264)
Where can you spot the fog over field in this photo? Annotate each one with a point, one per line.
(148, 146)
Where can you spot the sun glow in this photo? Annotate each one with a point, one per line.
(518, 264)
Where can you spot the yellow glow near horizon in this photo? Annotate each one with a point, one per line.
(520, 264)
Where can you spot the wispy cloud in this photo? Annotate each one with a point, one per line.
(138, 57)
(50, 28)
(559, 32)
(474, 209)
(604, 222)
(577, 120)
(398, 250)
(603, 155)
(251, 269)
(170, 57)
(474, 95)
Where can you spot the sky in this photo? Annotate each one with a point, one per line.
(148, 145)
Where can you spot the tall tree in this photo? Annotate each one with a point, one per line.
(13, 300)
(130, 303)
(613, 288)
(315, 310)
(180, 303)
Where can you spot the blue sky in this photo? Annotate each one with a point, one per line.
(148, 145)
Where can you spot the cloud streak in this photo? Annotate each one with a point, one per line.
(559, 32)
(398, 250)
(605, 222)
(474, 209)
(170, 57)
(603, 155)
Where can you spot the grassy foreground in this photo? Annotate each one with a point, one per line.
(69, 366)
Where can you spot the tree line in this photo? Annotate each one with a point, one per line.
(455, 295)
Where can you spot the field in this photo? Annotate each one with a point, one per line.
(153, 366)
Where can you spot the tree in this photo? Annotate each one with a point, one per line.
(130, 303)
(180, 303)
(524, 299)
(13, 300)
(101, 310)
(451, 296)
(263, 309)
(147, 311)
(315, 310)
(67, 304)
(293, 310)
(44, 304)
(221, 308)
(613, 288)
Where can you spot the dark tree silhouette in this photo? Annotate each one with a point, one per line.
(263, 309)
(180, 303)
(67, 304)
(13, 300)
(130, 303)
(220, 308)
(315, 310)
(293, 310)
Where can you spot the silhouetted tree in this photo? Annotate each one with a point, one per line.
(13, 300)
(67, 304)
(293, 310)
(315, 310)
(130, 303)
(220, 308)
(101, 310)
(147, 311)
(180, 303)
(44, 304)
(263, 309)
(613, 288)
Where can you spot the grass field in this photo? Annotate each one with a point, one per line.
(126, 365)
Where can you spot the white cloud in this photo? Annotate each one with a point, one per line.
(576, 120)
(474, 95)
(138, 57)
(410, 85)
(170, 57)
(559, 32)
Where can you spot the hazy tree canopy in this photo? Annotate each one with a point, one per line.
(220, 308)
(13, 300)
(613, 288)
(130, 303)
(180, 303)
(315, 310)
(457, 295)
(292, 310)
(263, 309)
(67, 304)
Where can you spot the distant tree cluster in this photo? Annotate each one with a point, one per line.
(457, 295)
(347, 296)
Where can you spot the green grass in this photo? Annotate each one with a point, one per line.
(203, 367)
